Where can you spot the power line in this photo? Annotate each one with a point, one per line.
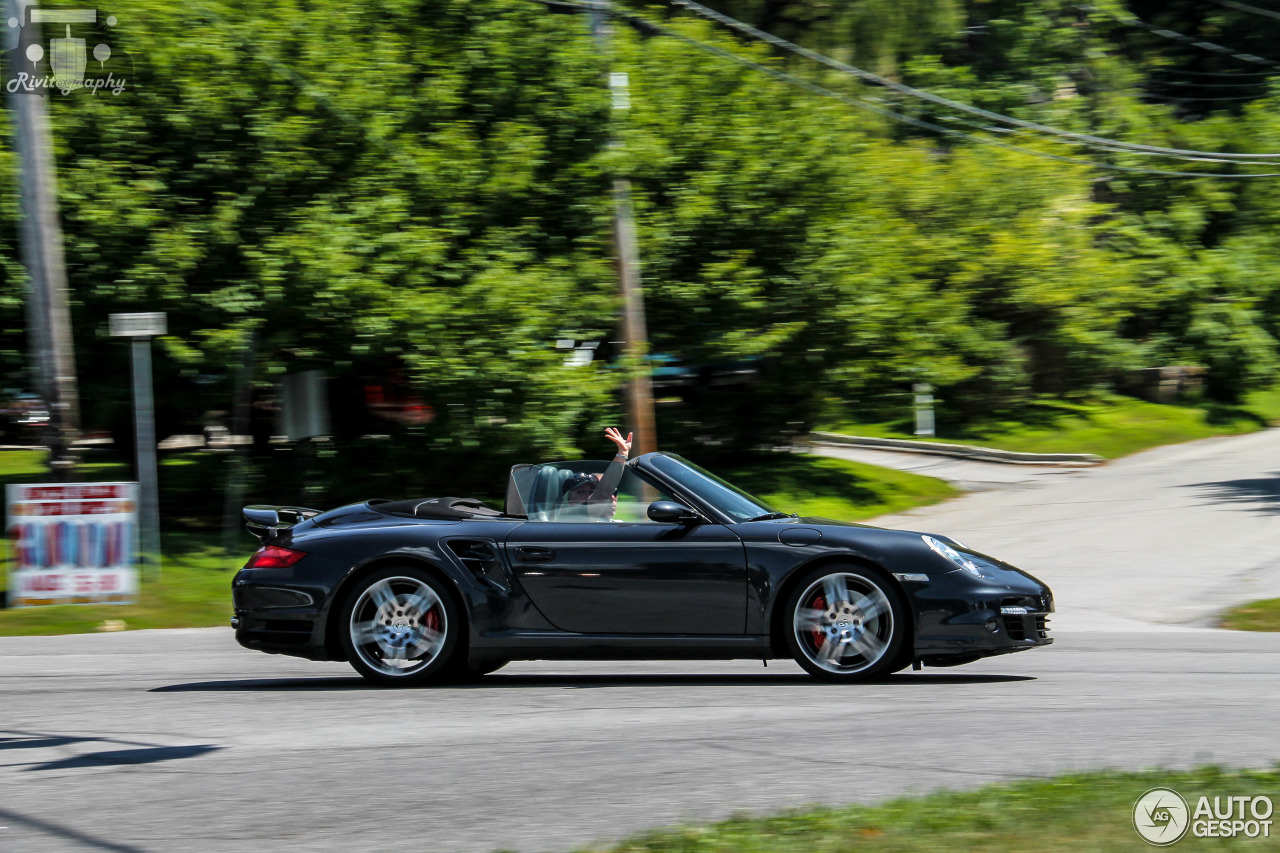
(912, 120)
(1182, 38)
(1245, 7)
(643, 25)
(1107, 148)
(1188, 84)
(1234, 75)
(1173, 99)
(560, 4)
(872, 77)
(1012, 130)
(652, 28)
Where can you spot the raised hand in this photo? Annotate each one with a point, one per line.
(624, 444)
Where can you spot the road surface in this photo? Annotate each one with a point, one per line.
(178, 740)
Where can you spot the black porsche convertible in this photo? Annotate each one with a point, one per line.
(674, 563)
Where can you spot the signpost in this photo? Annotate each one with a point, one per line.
(924, 408)
(73, 543)
(143, 327)
(304, 410)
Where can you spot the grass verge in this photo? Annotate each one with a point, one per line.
(1255, 616)
(27, 466)
(194, 591)
(1083, 812)
(1109, 426)
(834, 488)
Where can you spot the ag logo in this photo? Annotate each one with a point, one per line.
(1161, 816)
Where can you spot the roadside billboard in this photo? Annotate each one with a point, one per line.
(72, 543)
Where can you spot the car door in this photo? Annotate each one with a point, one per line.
(629, 575)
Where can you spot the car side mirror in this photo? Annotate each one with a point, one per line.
(670, 512)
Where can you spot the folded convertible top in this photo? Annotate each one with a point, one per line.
(445, 509)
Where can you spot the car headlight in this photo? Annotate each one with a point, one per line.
(953, 555)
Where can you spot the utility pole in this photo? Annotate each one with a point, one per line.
(48, 318)
(639, 384)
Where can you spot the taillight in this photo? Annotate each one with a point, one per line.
(275, 557)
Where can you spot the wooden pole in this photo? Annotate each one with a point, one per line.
(634, 331)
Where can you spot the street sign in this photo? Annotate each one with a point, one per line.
(146, 325)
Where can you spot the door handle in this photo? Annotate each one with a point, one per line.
(530, 554)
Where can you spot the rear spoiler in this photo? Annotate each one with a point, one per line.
(266, 521)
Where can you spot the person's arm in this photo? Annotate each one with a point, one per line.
(603, 493)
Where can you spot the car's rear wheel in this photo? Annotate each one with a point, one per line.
(847, 623)
(400, 627)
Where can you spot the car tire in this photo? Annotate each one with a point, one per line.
(861, 637)
(400, 627)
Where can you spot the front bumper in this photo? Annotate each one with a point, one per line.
(960, 618)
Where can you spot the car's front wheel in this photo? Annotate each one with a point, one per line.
(847, 623)
(400, 627)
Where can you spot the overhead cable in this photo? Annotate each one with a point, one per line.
(325, 101)
(1191, 84)
(1245, 7)
(1182, 38)
(1173, 99)
(1233, 75)
(862, 104)
(921, 94)
(926, 125)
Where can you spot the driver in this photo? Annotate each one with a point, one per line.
(595, 496)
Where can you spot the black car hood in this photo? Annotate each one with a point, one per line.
(818, 521)
(815, 521)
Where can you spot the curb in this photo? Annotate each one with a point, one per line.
(963, 451)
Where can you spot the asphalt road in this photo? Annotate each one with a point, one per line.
(168, 740)
(177, 740)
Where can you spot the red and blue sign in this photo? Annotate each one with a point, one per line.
(72, 543)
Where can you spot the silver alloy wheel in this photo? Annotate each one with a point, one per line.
(843, 623)
(398, 626)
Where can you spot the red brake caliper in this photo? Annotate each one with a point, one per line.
(819, 603)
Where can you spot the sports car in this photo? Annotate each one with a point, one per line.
(675, 563)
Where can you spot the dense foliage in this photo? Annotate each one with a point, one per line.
(414, 193)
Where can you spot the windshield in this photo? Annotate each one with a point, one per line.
(540, 492)
(725, 497)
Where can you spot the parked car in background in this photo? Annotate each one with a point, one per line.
(23, 418)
